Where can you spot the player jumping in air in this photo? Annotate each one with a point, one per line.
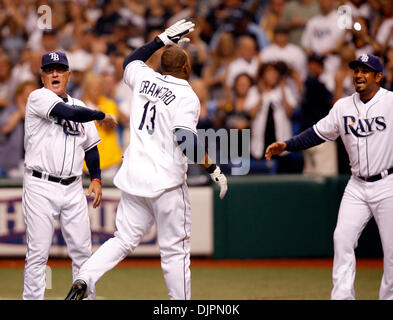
(152, 178)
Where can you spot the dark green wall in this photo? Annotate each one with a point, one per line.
(282, 216)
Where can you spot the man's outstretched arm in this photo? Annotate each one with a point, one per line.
(302, 141)
(81, 114)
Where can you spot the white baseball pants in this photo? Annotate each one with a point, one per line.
(135, 215)
(42, 201)
(361, 201)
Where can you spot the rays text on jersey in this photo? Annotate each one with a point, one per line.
(71, 128)
(362, 128)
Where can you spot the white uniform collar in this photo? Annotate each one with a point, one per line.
(375, 98)
(169, 78)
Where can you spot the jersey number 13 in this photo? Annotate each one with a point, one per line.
(152, 114)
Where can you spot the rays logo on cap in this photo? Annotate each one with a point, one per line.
(364, 57)
(54, 56)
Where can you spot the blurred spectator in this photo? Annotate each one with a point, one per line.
(270, 105)
(156, 15)
(91, 50)
(322, 31)
(388, 72)
(10, 12)
(123, 92)
(384, 35)
(134, 11)
(272, 16)
(232, 113)
(292, 55)
(343, 79)
(218, 14)
(247, 60)
(59, 13)
(240, 23)
(363, 41)
(215, 67)
(77, 22)
(183, 9)
(28, 69)
(50, 40)
(110, 91)
(78, 71)
(316, 104)
(12, 132)
(122, 96)
(109, 147)
(126, 35)
(99, 59)
(93, 12)
(322, 36)
(295, 15)
(360, 9)
(12, 36)
(30, 15)
(198, 51)
(6, 84)
(207, 116)
(58, 21)
(107, 20)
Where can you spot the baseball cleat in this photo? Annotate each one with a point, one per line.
(78, 290)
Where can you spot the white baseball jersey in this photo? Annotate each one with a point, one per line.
(322, 33)
(366, 130)
(152, 162)
(383, 33)
(55, 146)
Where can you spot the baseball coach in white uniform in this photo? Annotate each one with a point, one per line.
(152, 178)
(59, 134)
(364, 121)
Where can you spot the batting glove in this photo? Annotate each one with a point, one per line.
(219, 178)
(175, 33)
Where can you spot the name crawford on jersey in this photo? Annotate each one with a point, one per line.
(154, 90)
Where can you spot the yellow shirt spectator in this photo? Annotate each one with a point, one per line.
(109, 148)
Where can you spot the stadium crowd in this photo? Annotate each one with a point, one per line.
(272, 66)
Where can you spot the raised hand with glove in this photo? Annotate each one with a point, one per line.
(176, 32)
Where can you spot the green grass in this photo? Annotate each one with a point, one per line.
(251, 283)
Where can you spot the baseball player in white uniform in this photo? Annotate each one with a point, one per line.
(364, 121)
(58, 137)
(152, 178)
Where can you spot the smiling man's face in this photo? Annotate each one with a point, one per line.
(365, 79)
(55, 78)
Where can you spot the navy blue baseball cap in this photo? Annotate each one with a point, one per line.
(368, 60)
(55, 57)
